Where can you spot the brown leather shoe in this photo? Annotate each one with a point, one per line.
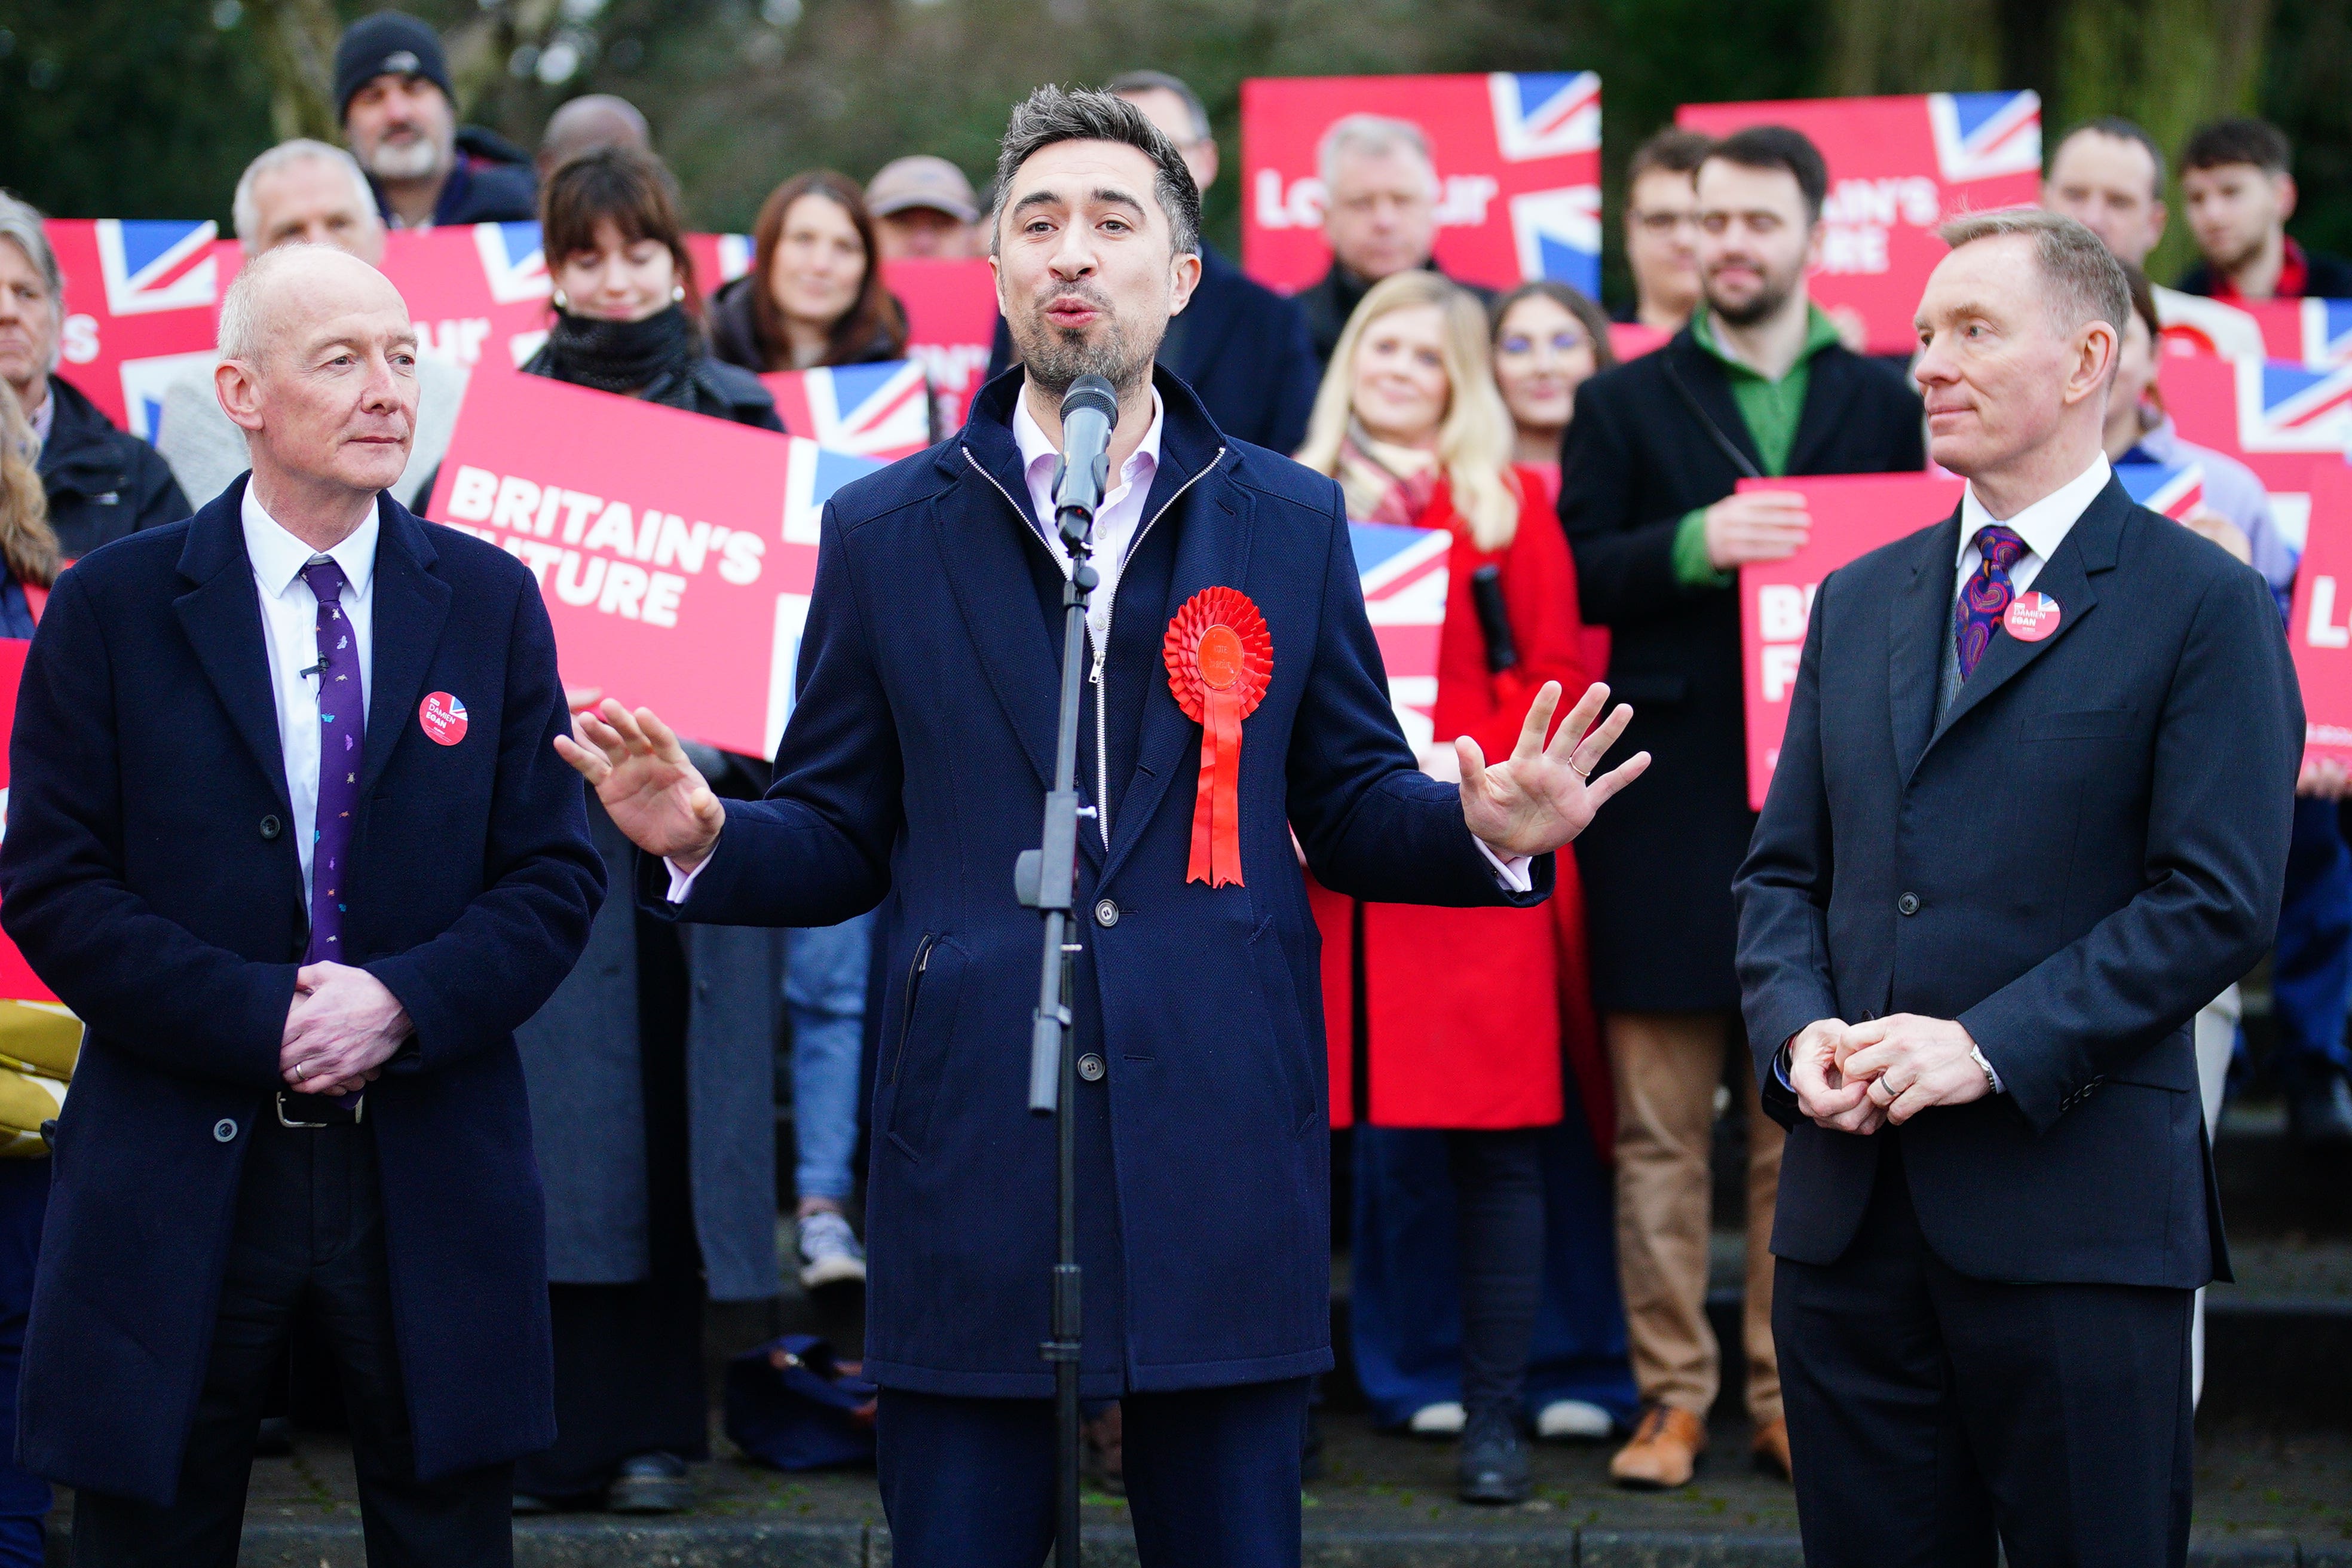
(1772, 1449)
(1664, 1452)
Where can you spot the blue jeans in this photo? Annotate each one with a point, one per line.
(824, 995)
(2311, 975)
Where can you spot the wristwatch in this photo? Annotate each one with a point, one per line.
(1992, 1078)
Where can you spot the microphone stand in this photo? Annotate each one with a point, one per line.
(1045, 878)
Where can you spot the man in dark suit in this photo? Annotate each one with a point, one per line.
(285, 833)
(916, 762)
(2031, 812)
(1756, 386)
(1240, 346)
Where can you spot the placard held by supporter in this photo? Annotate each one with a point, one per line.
(1898, 167)
(1518, 169)
(676, 553)
(1852, 514)
(2319, 626)
(140, 300)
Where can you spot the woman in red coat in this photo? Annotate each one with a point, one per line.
(1443, 1018)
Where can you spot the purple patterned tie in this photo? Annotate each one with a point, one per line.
(1985, 597)
(342, 723)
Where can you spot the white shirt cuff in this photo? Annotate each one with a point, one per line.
(681, 883)
(1512, 873)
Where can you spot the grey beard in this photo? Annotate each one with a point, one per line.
(414, 160)
(1055, 358)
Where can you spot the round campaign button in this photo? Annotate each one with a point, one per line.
(2032, 616)
(442, 717)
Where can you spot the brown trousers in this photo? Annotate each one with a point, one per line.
(1666, 1066)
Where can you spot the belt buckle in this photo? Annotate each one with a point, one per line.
(358, 1113)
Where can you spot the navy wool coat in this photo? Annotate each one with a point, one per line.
(2084, 849)
(150, 879)
(917, 760)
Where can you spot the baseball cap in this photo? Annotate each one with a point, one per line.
(922, 180)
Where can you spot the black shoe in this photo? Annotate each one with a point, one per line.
(274, 1439)
(1494, 1464)
(2321, 1115)
(651, 1483)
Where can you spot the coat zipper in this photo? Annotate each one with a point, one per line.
(906, 1011)
(1102, 651)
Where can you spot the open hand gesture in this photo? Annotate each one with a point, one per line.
(657, 797)
(1544, 796)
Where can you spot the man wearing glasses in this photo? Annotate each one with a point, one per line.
(1662, 229)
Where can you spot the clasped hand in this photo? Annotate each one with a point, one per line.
(343, 1026)
(1543, 795)
(1857, 1078)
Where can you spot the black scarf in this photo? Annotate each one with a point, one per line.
(655, 356)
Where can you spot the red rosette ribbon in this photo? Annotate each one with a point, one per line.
(1219, 658)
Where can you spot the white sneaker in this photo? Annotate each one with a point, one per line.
(1443, 1420)
(1574, 1419)
(829, 1251)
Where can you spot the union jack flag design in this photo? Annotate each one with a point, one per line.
(880, 411)
(514, 263)
(1559, 235)
(2173, 491)
(2288, 407)
(2327, 332)
(157, 264)
(144, 382)
(1980, 136)
(815, 474)
(1545, 114)
(1403, 573)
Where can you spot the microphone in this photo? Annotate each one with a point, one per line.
(1494, 618)
(1089, 410)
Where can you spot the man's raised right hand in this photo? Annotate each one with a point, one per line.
(656, 797)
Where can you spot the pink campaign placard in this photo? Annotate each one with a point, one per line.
(1518, 170)
(1852, 514)
(676, 552)
(2319, 626)
(1898, 167)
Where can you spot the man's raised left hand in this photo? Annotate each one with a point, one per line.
(1544, 796)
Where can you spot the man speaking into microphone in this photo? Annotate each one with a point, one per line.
(917, 760)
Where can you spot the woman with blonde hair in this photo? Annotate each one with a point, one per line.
(1453, 1020)
(28, 548)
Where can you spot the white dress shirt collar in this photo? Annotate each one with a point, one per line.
(2043, 525)
(1038, 455)
(279, 557)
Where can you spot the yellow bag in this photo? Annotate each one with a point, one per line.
(39, 1044)
(39, 1037)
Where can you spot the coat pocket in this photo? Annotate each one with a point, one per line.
(919, 1054)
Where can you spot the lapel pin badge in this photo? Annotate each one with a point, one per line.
(443, 717)
(2032, 616)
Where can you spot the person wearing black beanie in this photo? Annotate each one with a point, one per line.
(398, 109)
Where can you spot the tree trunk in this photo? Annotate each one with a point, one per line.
(297, 47)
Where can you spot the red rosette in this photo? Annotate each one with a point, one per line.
(1220, 657)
